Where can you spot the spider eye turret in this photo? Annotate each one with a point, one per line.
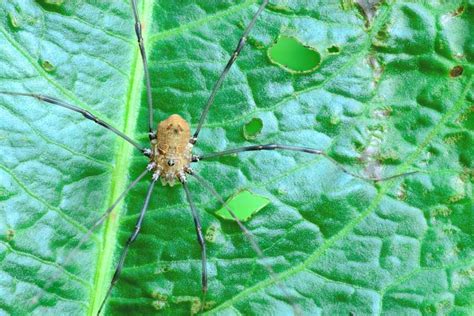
(170, 162)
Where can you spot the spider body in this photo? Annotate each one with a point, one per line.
(171, 150)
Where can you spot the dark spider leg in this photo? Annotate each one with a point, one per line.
(295, 148)
(130, 240)
(84, 113)
(99, 222)
(106, 214)
(138, 32)
(250, 237)
(222, 76)
(201, 241)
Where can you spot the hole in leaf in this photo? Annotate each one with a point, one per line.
(47, 65)
(252, 128)
(12, 18)
(292, 55)
(53, 5)
(333, 49)
(51, 2)
(456, 71)
(244, 204)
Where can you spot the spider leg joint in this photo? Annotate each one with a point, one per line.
(182, 177)
(152, 135)
(156, 175)
(151, 166)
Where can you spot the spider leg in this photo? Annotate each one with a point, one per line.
(227, 67)
(84, 113)
(296, 148)
(106, 214)
(138, 32)
(130, 240)
(201, 240)
(87, 235)
(250, 237)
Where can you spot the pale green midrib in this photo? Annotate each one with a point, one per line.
(119, 176)
(348, 228)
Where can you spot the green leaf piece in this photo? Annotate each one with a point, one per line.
(393, 92)
(244, 204)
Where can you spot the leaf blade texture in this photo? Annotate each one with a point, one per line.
(388, 97)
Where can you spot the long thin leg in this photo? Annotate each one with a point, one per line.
(295, 148)
(250, 237)
(106, 214)
(229, 64)
(201, 241)
(77, 109)
(87, 235)
(130, 240)
(138, 32)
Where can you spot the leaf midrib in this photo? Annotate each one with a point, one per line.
(119, 178)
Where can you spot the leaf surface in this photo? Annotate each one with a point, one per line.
(393, 93)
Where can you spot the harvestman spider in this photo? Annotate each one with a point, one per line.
(170, 158)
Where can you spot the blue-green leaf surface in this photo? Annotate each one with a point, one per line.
(392, 93)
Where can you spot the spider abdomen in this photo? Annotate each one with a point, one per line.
(171, 150)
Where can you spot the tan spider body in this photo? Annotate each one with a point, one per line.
(171, 150)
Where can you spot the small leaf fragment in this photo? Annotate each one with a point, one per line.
(244, 204)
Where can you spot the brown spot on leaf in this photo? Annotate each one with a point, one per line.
(456, 71)
(459, 11)
(368, 9)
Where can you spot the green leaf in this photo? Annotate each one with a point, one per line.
(243, 204)
(388, 97)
